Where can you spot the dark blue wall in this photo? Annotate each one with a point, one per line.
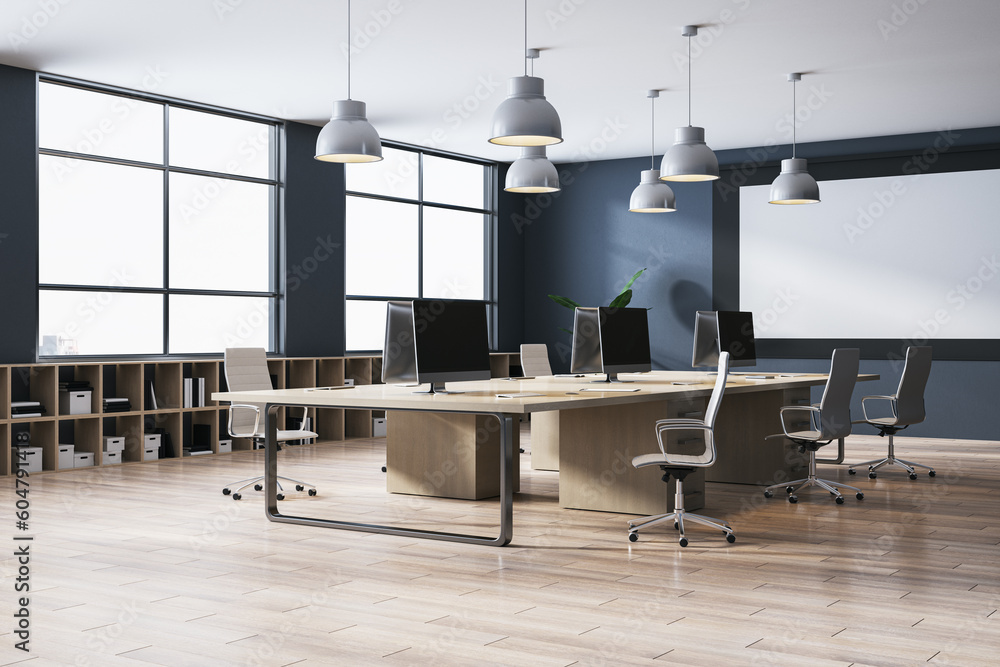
(314, 205)
(583, 243)
(19, 226)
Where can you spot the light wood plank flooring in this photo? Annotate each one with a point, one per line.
(151, 564)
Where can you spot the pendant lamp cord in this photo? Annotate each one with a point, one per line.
(652, 130)
(348, 49)
(793, 118)
(689, 80)
(526, 59)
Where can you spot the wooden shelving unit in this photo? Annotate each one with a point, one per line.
(140, 381)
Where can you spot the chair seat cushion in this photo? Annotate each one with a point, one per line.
(294, 435)
(811, 436)
(883, 421)
(679, 460)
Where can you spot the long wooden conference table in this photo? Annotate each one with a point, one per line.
(462, 445)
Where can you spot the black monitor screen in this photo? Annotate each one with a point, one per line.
(736, 337)
(451, 340)
(625, 340)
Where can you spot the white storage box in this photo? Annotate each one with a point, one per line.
(150, 453)
(378, 427)
(28, 458)
(83, 459)
(65, 456)
(225, 446)
(112, 458)
(74, 402)
(114, 443)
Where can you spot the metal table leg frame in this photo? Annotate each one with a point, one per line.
(506, 492)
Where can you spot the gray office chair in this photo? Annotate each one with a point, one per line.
(535, 360)
(907, 406)
(829, 420)
(246, 370)
(680, 466)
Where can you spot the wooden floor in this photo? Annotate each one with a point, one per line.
(151, 564)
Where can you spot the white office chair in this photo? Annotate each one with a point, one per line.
(829, 420)
(246, 370)
(907, 406)
(680, 466)
(535, 360)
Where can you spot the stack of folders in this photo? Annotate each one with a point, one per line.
(117, 405)
(194, 392)
(26, 409)
(75, 385)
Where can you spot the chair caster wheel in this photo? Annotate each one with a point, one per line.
(521, 450)
(312, 492)
(793, 499)
(281, 496)
(683, 542)
(226, 492)
(236, 496)
(676, 526)
(299, 487)
(789, 490)
(632, 537)
(768, 494)
(872, 475)
(730, 538)
(852, 471)
(913, 475)
(860, 496)
(258, 487)
(840, 500)
(932, 474)
(383, 468)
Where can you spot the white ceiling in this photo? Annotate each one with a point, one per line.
(432, 71)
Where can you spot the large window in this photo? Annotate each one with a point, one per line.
(157, 226)
(419, 225)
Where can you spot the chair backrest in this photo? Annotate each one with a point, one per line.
(835, 406)
(720, 386)
(910, 394)
(535, 360)
(246, 370)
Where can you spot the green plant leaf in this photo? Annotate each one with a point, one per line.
(622, 299)
(569, 331)
(631, 282)
(563, 301)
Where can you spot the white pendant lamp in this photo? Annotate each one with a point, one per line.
(794, 185)
(652, 195)
(526, 118)
(348, 137)
(532, 172)
(689, 159)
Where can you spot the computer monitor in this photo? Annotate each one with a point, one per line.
(610, 340)
(451, 342)
(727, 330)
(399, 356)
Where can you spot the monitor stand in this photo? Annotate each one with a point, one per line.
(437, 388)
(612, 377)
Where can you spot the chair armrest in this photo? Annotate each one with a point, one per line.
(678, 425)
(891, 399)
(814, 413)
(256, 422)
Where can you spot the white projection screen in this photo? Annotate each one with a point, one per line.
(897, 257)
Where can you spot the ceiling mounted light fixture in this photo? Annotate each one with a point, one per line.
(532, 173)
(794, 185)
(526, 118)
(652, 195)
(689, 159)
(348, 137)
